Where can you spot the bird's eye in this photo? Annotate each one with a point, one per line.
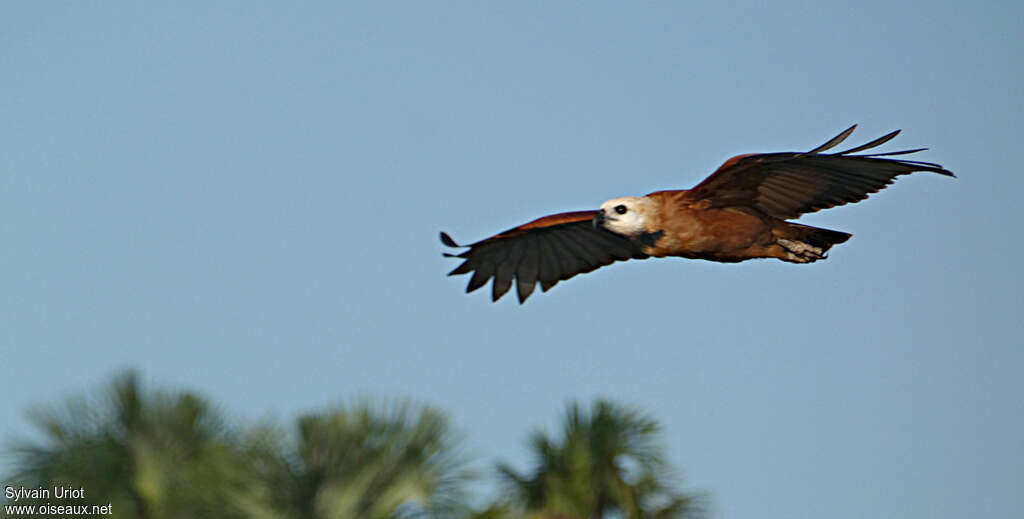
(621, 209)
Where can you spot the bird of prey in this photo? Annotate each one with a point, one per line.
(737, 213)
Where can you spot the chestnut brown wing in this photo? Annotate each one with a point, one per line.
(549, 249)
(786, 185)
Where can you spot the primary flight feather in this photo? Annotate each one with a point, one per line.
(737, 213)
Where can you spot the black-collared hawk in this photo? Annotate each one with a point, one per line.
(738, 213)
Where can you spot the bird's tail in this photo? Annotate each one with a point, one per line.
(818, 237)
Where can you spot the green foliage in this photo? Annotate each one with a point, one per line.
(368, 461)
(156, 455)
(604, 462)
(149, 455)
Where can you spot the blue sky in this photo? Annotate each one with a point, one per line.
(244, 199)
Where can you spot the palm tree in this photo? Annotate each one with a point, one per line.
(605, 461)
(149, 454)
(366, 461)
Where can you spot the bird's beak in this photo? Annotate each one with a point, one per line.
(599, 219)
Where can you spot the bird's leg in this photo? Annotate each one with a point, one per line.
(800, 252)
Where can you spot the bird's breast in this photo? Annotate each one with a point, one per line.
(691, 232)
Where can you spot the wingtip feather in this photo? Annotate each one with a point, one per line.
(875, 143)
(834, 141)
(448, 241)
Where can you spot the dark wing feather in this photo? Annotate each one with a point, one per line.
(786, 185)
(550, 249)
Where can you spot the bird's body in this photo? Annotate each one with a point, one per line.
(688, 228)
(738, 213)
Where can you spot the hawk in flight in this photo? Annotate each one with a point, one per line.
(737, 213)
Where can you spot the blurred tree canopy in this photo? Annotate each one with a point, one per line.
(374, 462)
(150, 455)
(157, 454)
(607, 461)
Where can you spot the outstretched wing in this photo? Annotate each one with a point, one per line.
(786, 185)
(549, 249)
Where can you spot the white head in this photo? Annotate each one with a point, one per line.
(628, 215)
